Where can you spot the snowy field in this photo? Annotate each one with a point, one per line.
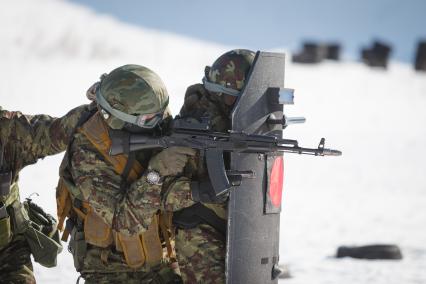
(51, 52)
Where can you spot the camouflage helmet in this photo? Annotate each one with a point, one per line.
(134, 95)
(228, 73)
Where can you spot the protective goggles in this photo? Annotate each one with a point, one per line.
(217, 88)
(148, 120)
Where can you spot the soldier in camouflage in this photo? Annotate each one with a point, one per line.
(200, 245)
(112, 202)
(170, 179)
(23, 140)
(201, 226)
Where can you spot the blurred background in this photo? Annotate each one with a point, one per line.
(261, 25)
(51, 51)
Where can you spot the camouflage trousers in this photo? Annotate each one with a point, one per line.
(115, 270)
(15, 263)
(201, 255)
(125, 277)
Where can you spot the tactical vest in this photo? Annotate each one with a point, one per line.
(138, 249)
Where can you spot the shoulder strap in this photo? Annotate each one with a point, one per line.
(97, 133)
(83, 118)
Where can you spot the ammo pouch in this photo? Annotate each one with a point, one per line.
(39, 229)
(43, 235)
(138, 249)
(78, 247)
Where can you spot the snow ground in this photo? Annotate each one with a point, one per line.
(51, 52)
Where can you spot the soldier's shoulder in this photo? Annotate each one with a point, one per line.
(80, 110)
(79, 114)
(6, 114)
(13, 118)
(197, 102)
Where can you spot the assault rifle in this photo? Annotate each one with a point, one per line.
(186, 133)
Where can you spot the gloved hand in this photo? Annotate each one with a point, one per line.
(171, 161)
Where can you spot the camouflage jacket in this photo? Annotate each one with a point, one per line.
(127, 209)
(130, 210)
(26, 138)
(198, 103)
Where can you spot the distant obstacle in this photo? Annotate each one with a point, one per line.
(377, 55)
(377, 251)
(420, 61)
(313, 52)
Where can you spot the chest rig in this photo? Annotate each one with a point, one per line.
(139, 249)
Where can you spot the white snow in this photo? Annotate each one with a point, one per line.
(51, 52)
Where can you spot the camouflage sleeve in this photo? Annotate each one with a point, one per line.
(176, 191)
(177, 194)
(143, 200)
(97, 181)
(37, 136)
(135, 211)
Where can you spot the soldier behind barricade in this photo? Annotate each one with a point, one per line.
(25, 228)
(201, 228)
(112, 203)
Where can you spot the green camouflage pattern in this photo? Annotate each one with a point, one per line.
(201, 255)
(27, 138)
(128, 211)
(176, 193)
(94, 180)
(135, 90)
(15, 262)
(201, 250)
(231, 68)
(116, 271)
(199, 103)
(126, 208)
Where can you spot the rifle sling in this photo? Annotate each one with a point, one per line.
(191, 217)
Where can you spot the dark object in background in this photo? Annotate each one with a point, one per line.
(377, 55)
(370, 252)
(333, 51)
(314, 53)
(420, 63)
(311, 53)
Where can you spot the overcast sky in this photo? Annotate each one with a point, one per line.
(281, 23)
